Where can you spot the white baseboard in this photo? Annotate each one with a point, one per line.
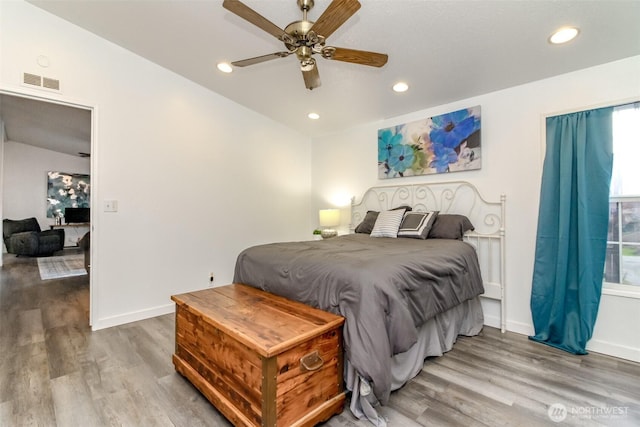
(615, 350)
(596, 346)
(121, 319)
(493, 321)
(520, 328)
(517, 327)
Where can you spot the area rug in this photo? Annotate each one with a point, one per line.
(56, 267)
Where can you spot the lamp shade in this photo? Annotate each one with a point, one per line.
(329, 217)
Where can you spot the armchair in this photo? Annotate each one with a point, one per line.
(85, 244)
(24, 237)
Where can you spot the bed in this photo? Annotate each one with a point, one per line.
(403, 299)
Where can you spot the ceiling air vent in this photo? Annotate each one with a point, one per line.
(50, 83)
(32, 79)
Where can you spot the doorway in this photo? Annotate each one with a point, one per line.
(41, 135)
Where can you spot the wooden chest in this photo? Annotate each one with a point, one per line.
(261, 359)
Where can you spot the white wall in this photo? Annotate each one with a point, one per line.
(512, 149)
(25, 179)
(196, 183)
(197, 177)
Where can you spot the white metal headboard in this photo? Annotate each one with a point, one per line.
(459, 197)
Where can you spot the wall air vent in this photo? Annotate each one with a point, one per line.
(50, 83)
(43, 82)
(32, 79)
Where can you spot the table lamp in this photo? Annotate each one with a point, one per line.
(329, 218)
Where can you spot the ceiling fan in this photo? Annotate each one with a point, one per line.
(306, 38)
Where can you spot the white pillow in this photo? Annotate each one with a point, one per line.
(388, 223)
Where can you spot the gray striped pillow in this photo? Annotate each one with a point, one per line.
(388, 223)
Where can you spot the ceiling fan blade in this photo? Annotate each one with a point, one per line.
(248, 14)
(259, 59)
(362, 57)
(335, 15)
(311, 77)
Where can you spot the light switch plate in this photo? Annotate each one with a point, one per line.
(111, 206)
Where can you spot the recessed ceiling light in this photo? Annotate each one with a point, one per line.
(313, 116)
(563, 35)
(400, 87)
(225, 67)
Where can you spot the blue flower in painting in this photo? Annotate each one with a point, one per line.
(452, 128)
(401, 158)
(442, 156)
(386, 141)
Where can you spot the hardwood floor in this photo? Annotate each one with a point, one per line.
(55, 372)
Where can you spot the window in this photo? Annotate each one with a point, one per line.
(622, 264)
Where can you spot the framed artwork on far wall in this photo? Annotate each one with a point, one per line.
(441, 144)
(67, 190)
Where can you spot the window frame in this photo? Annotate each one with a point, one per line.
(608, 288)
(620, 289)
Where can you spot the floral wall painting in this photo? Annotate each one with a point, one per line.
(446, 143)
(67, 190)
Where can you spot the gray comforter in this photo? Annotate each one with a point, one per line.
(385, 288)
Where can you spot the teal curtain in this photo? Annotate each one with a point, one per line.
(572, 228)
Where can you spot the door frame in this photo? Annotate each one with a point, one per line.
(93, 250)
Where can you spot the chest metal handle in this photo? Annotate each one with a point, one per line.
(311, 361)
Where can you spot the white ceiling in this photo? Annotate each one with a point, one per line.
(445, 50)
(46, 125)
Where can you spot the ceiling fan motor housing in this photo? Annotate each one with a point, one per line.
(298, 30)
(305, 42)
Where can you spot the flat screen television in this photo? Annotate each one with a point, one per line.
(76, 215)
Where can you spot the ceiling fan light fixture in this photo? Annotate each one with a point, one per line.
(313, 116)
(400, 87)
(307, 64)
(225, 67)
(563, 35)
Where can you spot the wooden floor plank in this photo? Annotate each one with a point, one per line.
(55, 372)
(74, 406)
